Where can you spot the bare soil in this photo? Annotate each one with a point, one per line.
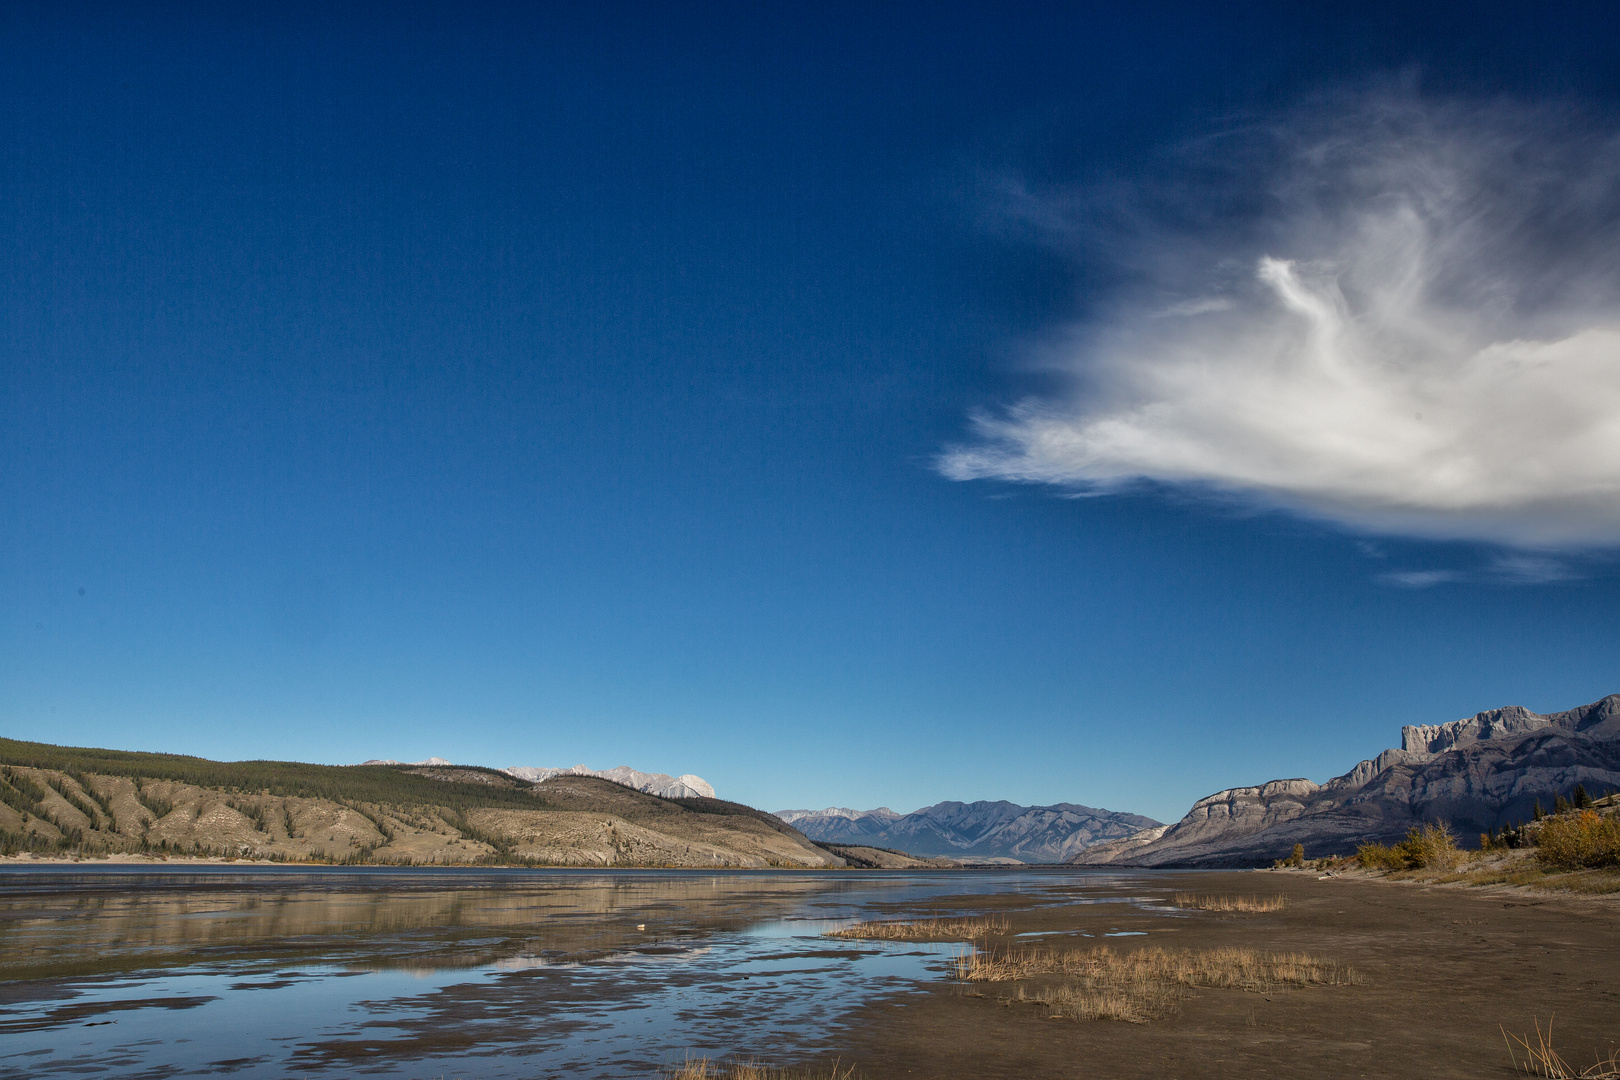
(1444, 968)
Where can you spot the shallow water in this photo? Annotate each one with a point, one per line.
(260, 972)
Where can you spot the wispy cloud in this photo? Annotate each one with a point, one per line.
(1513, 569)
(1419, 579)
(1532, 570)
(1392, 313)
(1202, 306)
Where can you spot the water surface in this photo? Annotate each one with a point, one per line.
(269, 972)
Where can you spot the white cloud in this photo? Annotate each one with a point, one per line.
(1415, 330)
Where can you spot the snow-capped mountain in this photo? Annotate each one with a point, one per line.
(660, 784)
(839, 824)
(1004, 830)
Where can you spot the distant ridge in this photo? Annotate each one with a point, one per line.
(661, 784)
(991, 831)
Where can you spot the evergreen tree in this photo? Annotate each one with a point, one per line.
(1580, 798)
(1560, 805)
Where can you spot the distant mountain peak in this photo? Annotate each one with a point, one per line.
(391, 761)
(686, 786)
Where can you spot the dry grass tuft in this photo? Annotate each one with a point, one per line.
(1134, 1001)
(704, 1069)
(1228, 903)
(924, 929)
(1143, 984)
(1542, 1060)
(1229, 968)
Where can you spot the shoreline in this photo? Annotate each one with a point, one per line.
(1461, 880)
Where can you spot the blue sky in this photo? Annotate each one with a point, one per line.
(850, 406)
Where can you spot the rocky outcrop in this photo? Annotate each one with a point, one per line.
(1496, 724)
(1118, 851)
(1000, 831)
(1478, 773)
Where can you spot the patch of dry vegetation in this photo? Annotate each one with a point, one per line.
(1580, 840)
(1575, 849)
(1228, 903)
(705, 1069)
(1433, 847)
(1224, 968)
(1135, 1001)
(1521, 869)
(924, 929)
(1540, 1059)
(1142, 984)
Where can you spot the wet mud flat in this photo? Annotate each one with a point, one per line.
(1441, 970)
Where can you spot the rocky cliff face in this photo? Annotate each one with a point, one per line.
(968, 831)
(1478, 773)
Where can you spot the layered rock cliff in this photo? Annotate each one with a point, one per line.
(1477, 773)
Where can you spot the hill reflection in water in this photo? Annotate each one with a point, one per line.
(84, 923)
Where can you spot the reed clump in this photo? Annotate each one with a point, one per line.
(1228, 903)
(1224, 968)
(1542, 1060)
(703, 1068)
(924, 929)
(1142, 984)
(1135, 1001)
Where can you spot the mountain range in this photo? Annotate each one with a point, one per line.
(1478, 773)
(969, 832)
